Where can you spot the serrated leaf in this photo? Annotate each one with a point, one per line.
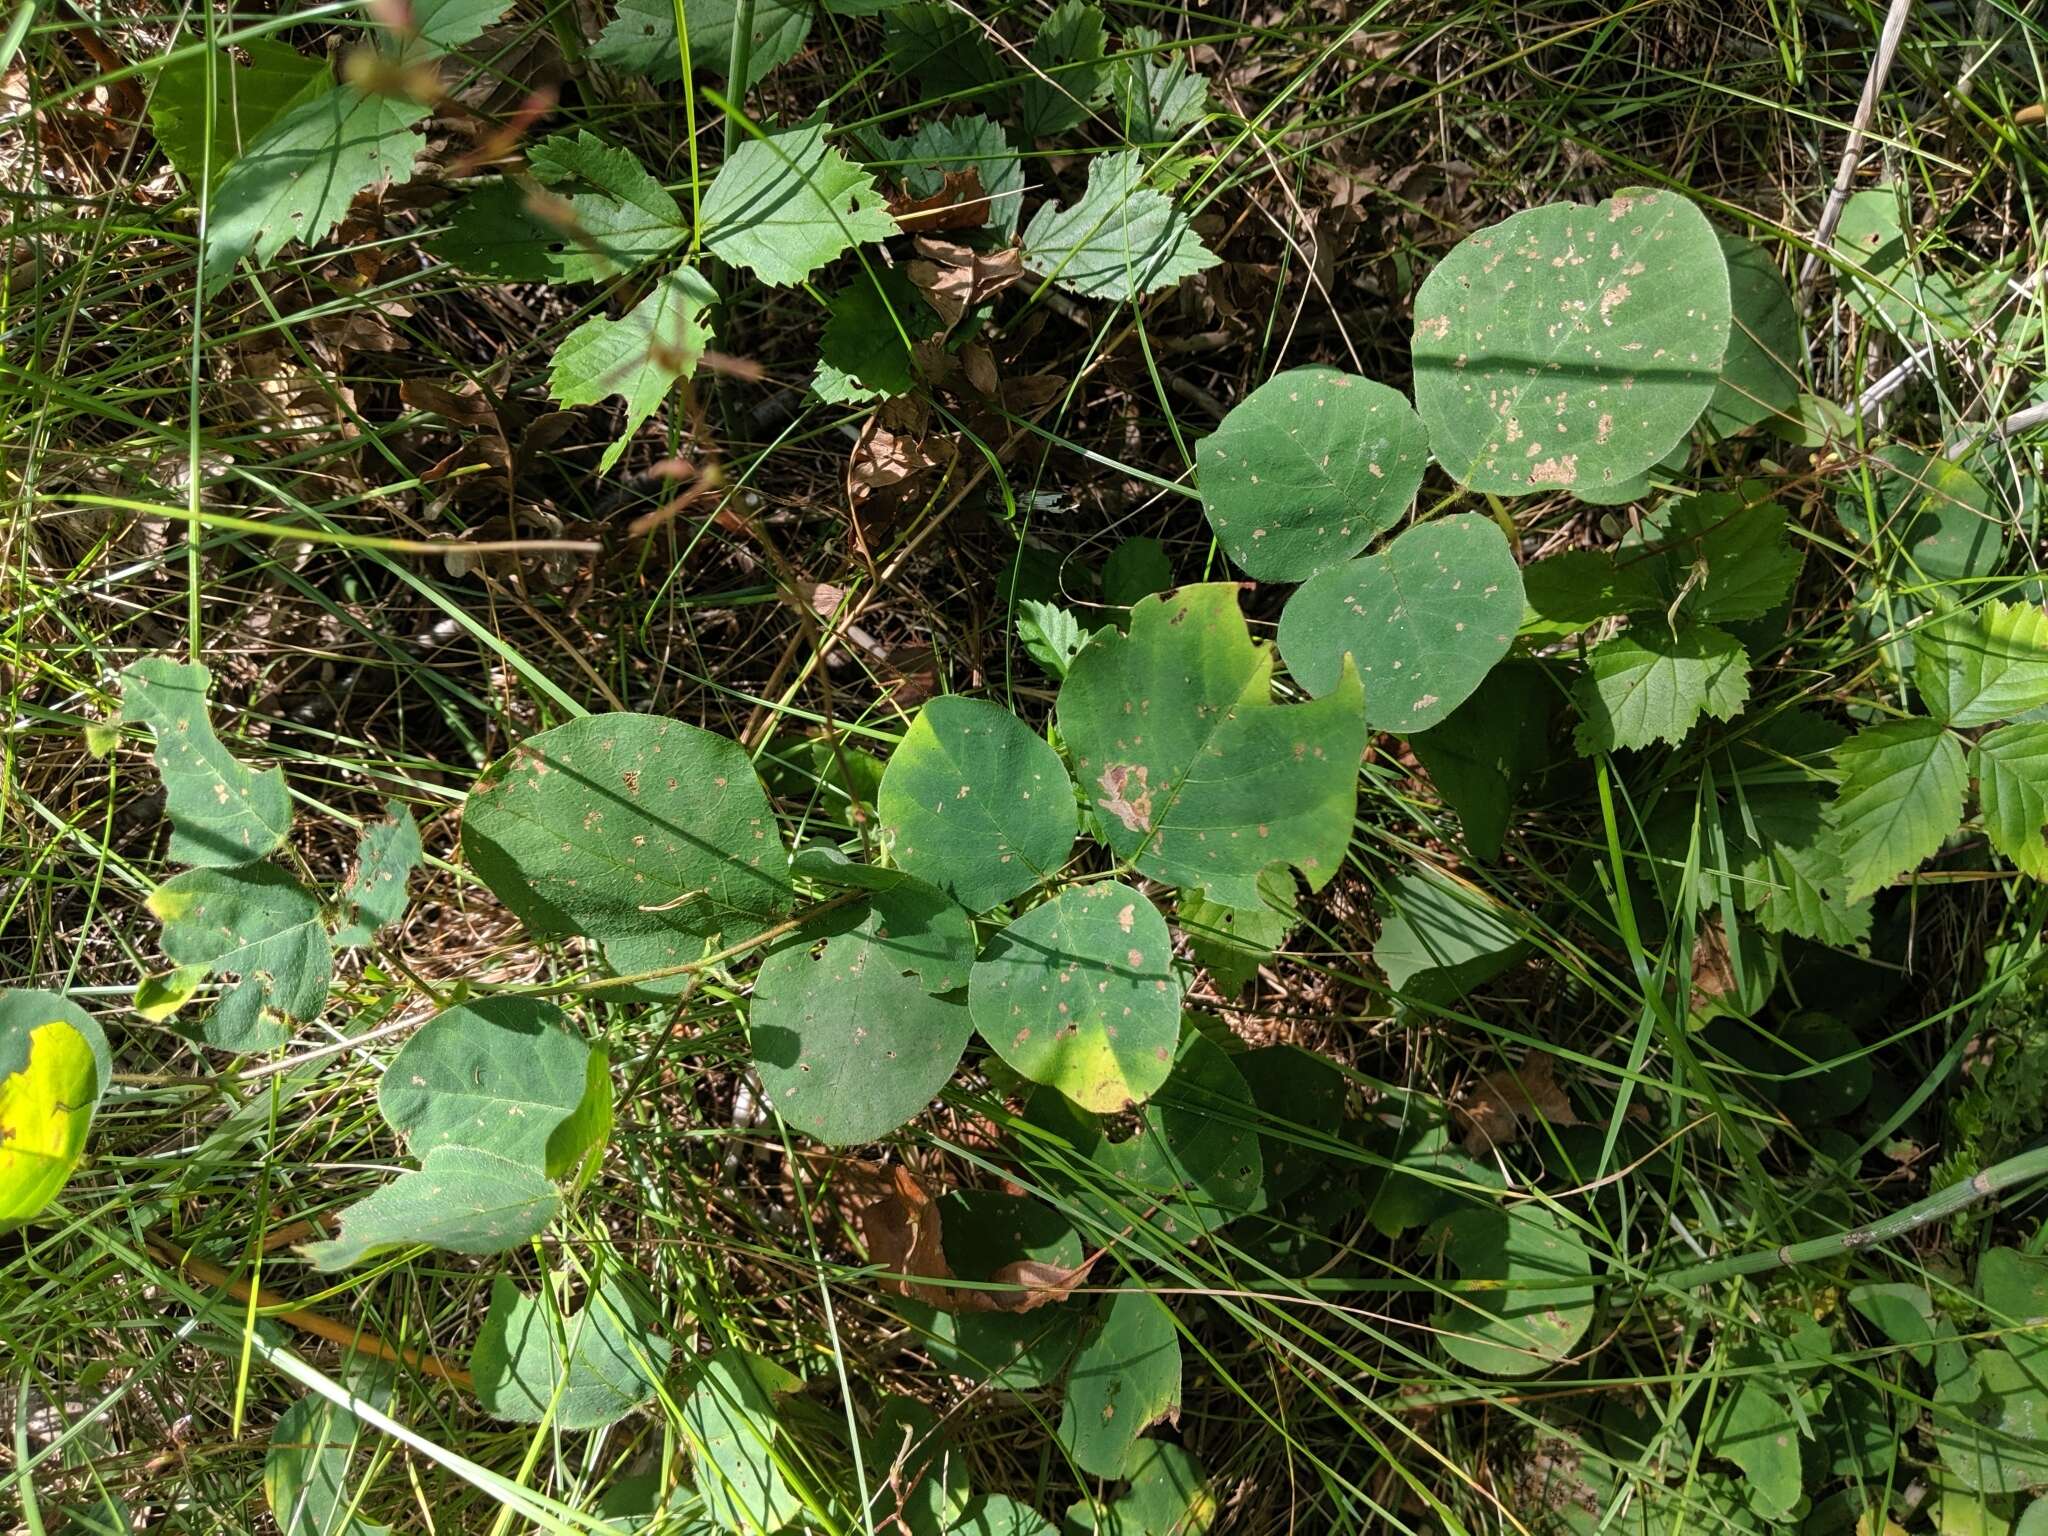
(296, 181)
(1760, 375)
(1479, 755)
(1136, 569)
(1647, 684)
(974, 801)
(1544, 1302)
(1125, 1378)
(614, 218)
(534, 1362)
(1196, 777)
(221, 812)
(1050, 634)
(1978, 666)
(1439, 938)
(246, 98)
(643, 833)
(1069, 74)
(853, 1033)
(375, 895)
(1793, 878)
(306, 1470)
(1721, 554)
(1231, 943)
(1156, 92)
(503, 1075)
(1752, 1426)
(1080, 994)
(258, 924)
(958, 144)
(733, 1429)
(1938, 514)
(865, 351)
(1570, 346)
(641, 39)
(1901, 796)
(638, 357)
(2010, 766)
(1308, 469)
(786, 204)
(53, 1069)
(463, 1199)
(946, 51)
(1424, 620)
(1119, 240)
(432, 28)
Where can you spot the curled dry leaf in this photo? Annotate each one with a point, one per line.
(1713, 969)
(955, 278)
(896, 461)
(1495, 1111)
(960, 203)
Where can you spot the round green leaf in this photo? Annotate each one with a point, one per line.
(1424, 619)
(1080, 994)
(500, 1074)
(54, 1066)
(1307, 469)
(1936, 512)
(1125, 1378)
(1542, 1309)
(977, 803)
(645, 834)
(579, 1369)
(1570, 346)
(1760, 375)
(851, 1035)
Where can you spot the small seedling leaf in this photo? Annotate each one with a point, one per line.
(1231, 943)
(638, 357)
(1157, 94)
(375, 894)
(1439, 938)
(1752, 1426)
(1542, 1308)
(222, 812)
(1308, 469)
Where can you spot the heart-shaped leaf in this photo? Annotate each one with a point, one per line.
(1308, 469)
(975, 802)
(1125, 1378)
(222, 813)
(1196, 776)
(576, 1369)
(645, 834)
(1542, 1302)
(852, 1032)
(1080, 994)
(1424, 620)
(1570, 346)
(1439, 938)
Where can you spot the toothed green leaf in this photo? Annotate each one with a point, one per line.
(1901, 796)
(784, 205)
(1119, 240)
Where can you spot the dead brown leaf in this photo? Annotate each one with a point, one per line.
(1713, 969)
(959, 203)
(955, 278)
(1496, 1110)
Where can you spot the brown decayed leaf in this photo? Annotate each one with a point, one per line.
(959, 203)
(1713, 970)
(1495, 1111)
(955, 278)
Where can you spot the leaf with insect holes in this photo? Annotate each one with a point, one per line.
(1648, 684)
(221, 812)
(2010, 766)
(503, 1075)
(733, 1426)
(1543, 1300)
(1719, 556)
(1050, 634)
(1125, 1378)
(641, 42)
(1121, 239)
(865, 351)
(1982, 665)
(1192, 1164)
(645, 834)
(260, 925)
(786, 204)
(1423, 620)
(976, 802)
(606, 216)
(1751, 1425)
(1308, 469)
(1759, 380)
(1889, 282)
(307, 1477)
(1157, 93)
(246, 99)
(638, 357)
(1901, 796)
(1937, 514)
(375, 894)
(1068, 72)
(536, 1362)
(1080, 994)
(54, 1066)
(1196, 777)
(463, 1199)
(853, 1031)
(956, 144)
(1439, 938)
(1571, 346)
(1480, 754)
